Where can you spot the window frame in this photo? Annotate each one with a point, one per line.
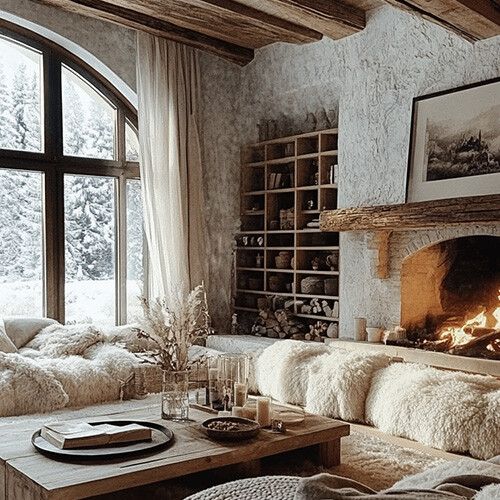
(54, 165)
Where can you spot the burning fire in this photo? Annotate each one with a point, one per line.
(462, 335)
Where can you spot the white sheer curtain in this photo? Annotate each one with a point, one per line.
(171, 170)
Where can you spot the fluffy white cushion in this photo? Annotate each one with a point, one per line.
(339, 383)
(64, 340)
(22, 329)
(94, 377)
(282, 369)
(448, 410)
(6, 344)
(26, 387)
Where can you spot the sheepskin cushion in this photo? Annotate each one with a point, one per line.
(26, 387)
(64, 340)
(94, 377)
(339, 382)
(282, 369)
(452, 411)
(6, 344)
(21, 329)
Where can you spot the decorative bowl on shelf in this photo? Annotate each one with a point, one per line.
(312, 286)
(282, 261)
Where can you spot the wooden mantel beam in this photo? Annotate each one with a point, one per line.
(418, 215)
(471, 19)
(103, 10)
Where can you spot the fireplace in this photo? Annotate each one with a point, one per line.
(450, 296)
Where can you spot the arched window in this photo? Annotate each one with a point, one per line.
(71, 241)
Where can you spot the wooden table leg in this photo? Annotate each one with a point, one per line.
(329, 453)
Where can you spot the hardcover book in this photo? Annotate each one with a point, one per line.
(79, 434)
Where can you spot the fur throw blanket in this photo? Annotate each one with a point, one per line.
(329, 382)
(452, 411)
(329, 487)
(63, 366)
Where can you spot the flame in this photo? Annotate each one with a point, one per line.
(461, 335)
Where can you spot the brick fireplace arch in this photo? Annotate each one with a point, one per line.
(449, 282)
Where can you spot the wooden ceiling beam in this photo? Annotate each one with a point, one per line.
(332, 18)
(224, 19)
(139, 21)
(471, 19)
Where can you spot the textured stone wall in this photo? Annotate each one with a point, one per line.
(371, 77)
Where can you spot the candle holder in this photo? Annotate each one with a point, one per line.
(215, 384)
(233, 373)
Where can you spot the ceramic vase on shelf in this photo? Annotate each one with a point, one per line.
(174, 395)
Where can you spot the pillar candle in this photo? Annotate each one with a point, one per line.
(240, 394)
(359, 328)
(264, 411)
(224, 413)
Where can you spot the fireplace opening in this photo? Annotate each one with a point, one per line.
(450, 297)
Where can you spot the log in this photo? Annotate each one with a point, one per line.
(476, 346)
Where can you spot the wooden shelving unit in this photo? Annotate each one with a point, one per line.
(285, 185)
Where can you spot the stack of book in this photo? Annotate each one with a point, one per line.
(78, 434)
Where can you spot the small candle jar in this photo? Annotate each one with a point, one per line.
(240, 394)
(264, 411)
(237, 411)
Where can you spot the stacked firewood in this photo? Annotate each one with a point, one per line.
(320, 307)
(317, 332)
(278, 324)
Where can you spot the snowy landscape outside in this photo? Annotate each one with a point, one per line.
(90, 226)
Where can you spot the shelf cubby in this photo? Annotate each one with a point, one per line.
(285, 185)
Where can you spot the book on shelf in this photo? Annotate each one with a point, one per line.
(79, 434)
(272, 180)
(277, 184)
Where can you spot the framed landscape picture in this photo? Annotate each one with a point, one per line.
(455, 143)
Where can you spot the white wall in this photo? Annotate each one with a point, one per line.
(373, 76)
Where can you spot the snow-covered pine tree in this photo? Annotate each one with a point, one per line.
(74, 121)
(89, 208)
(24, 98)
(8, 133)
(101, 127)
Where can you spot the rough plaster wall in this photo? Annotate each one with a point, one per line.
(114, 45)
(374, 75)
(221, 140)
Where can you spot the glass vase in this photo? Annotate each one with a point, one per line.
(174, 395)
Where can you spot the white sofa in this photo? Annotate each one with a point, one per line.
(451, 411)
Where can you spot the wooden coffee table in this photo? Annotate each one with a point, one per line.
(28, 475)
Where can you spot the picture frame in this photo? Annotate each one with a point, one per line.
(455, 143)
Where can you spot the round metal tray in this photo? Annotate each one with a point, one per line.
(161, 437)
